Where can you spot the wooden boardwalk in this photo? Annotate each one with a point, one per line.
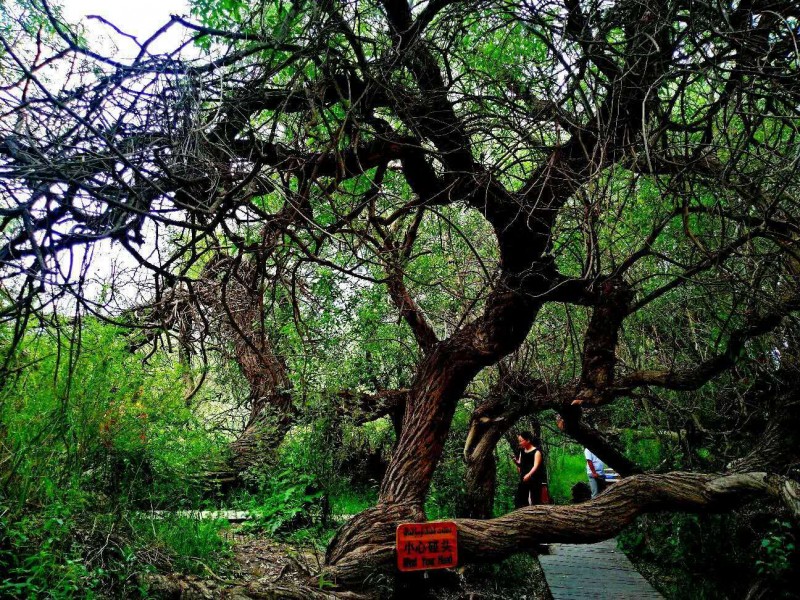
(576, 572)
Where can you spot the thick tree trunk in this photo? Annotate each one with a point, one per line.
(606, 515)
(262, 435)
(231, 289)
(231, 294)
(271, 407)
(442, 377)
(440, 382)
(480, 484)
(524, 529)
(523, 224)
(365, 545)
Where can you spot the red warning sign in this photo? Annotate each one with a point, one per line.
(423, 546)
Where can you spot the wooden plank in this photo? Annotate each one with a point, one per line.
(596, 560)
(570, 582)
(601, 593)
(596, 571)
(234, 516)
(573, 568)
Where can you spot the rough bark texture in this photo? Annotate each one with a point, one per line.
(365, 545)
(363, 407)
(215, 140)
(480, 485)
(607, 514)
(600, 341)
(684, 379)
(516, 395)
(522, 223)
(524, 529)
(231, 289)
(778, 449)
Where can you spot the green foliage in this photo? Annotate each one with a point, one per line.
(92, 414)
(39, 557)
(566, 467)
(17, 16)
(274, 18)
(777, 550)
(88, 430)
(507, 478)
(348, 503)
(645, 452)
(188, 544)
(63, 552)
(679, 545)
(288, 501)
(713, 556)
(86, 427)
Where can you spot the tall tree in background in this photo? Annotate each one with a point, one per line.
(627, 157)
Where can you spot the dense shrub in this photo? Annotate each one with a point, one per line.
(89, 433)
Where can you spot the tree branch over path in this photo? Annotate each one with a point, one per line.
(490, 540)
(522, 225)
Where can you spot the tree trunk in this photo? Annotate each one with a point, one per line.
(480, 483)
(371, 537)
(262, 435)
(231, 289)
(597, 443)
(432, 399)
(523, 223)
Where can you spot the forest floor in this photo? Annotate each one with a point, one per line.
(258, 568)
(263, 568)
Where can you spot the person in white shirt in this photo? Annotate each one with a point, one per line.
(595, 469)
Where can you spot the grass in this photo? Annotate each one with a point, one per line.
(191, 544)
(352, 502)
(567, 467)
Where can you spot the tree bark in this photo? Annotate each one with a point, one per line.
(231, 291)
(480, 483)
(523, 530)
(778, 449)
(597, 443)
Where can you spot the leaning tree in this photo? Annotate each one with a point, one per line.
(623, 159)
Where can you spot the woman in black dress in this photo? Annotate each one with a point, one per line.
(530, 464)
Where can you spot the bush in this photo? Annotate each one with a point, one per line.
(58, 553)
(101, 421)
(88, 433)
(287, 502)
(39, 557)
(178, 542)
(777, 550)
